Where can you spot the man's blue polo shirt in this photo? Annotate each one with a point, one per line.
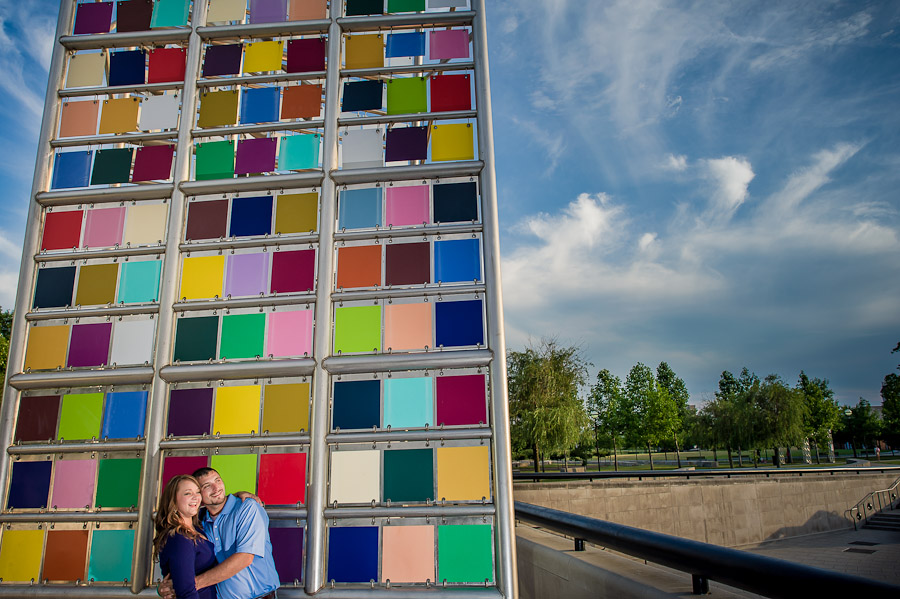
(243, 527)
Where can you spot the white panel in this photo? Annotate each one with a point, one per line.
(355, 476)
(159, 112)
(133, 341)
(362, 148)
(226, 10)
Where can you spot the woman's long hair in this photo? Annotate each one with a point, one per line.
(168, 521)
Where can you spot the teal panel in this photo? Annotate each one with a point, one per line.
(408, 403)
(298, 152)
(139, 282)
(111, 552)
(170, 13)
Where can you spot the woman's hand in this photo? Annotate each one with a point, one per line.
(245, 495)
(165, 589)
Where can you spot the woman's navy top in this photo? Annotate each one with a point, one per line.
(184, 559)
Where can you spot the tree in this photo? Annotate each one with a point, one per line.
(734, 415)
(679, 396)
(862, 425)
(545, 411)
(652, 412)
(5, 331)
(823, 414)
(605, 408)
(890, 405)
(782, 411)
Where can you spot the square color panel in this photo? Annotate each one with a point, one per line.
(29, 485)
(71, 169)
(407, 264)
(355, 476)
(301, 101)
(65, 557)
(406, 6)
(458, 323)
(153, 163)
(260, 105)
(406, 206)
(37, 418)
(237, 410)
(296, 213)
(457, 260)
(133, 342)
(170, 13)
(360, 208)
(86, 70)
(79, 118)
(110, 555)
(196, 338)
(405, 44)
(246, 274)
(406, 143)
(103, 227)
(237, 471)
(307, 10)
(62, 230)
(201, 277)
(89, 345)
(465, 553)
(362, 148)
(112, 165)
(73, 484)
(407, 326)
(359, 266)
(448, 3)
(357, 329)
(450, 92)
(173, 466)
(97, 284)
(93, 18)
(408, 402)
(362, 95)
(352, 553)
(287, 553)
(145, 224)
(224, 59)
(407, 95)
(289, 333)
(363, 51)
(452, 142)
(356, 405)
(444, 44)
(268, 11)
(80, 416)
(226, 10)
(286, 408)
(251, 216)
(190, 412)
(282, 478)
(206, 220)
(53, 288)
(306, 55)
(461, 400)
(139, 282)
(20, 555)
(298, 152)
(464, 473)
(159, 113)
(364, 7)
(46, 347)
(293, 271)
(408, 475)
(124, 414)
(126, 68)
(455, 202)
(218, 109)
(214, 160)
(260, 57)
(407, 553)
(242, 336)
(133, 15)
(166, 65)
(255, 156)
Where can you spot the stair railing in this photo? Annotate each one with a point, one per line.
(871, 504)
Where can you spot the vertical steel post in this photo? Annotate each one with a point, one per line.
(505, 542)
(31, 241)
(318, 449)
(167, 297)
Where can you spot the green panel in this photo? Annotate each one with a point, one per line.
(80, 416)
(112, 166)
(170, 13)
(139, 282)
(238, 472)
(195, 338)
(405, 96)
(464, 553)
(243, 336)
(357, 329)
(111, 552)
(408, 475)
(215, 160)
(406, 5)
(298, 152)
(118, 483)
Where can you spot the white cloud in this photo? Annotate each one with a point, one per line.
(675, 163)
(731, 177)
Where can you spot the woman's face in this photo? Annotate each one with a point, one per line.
(187, 498)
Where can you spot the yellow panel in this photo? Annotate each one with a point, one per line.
(237, 410)
(119, 115)
(145, 224)
(286, 408)
(226, 10)
(452, 142)
(86, 70)
(201, 277)
(296, 213)
(464, 473)
(20, 555)
(46, 347)
(364, 51)
(263, 56)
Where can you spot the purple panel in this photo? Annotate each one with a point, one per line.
(190, 412)
(255, 156)
(222, 60)
(246, 274)
(89, 345)
(182, 465)
(93, 18)
(306, 55)
(287, 550)
(268, 11)
(153, 162)
(406, 143)
(461, 400)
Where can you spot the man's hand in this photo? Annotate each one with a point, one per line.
(245, 495)
(165, 589)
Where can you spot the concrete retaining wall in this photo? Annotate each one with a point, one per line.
(721, 511)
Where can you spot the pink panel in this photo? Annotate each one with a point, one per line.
(289, 333)
(73, 483)
(407, 206)
(448, 43)
(103, 227)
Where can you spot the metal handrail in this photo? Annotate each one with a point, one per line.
(755, 573)
(641, 474)
(883, 498)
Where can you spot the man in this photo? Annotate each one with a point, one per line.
(239, 531)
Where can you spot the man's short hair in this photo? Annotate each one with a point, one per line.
(203, 472)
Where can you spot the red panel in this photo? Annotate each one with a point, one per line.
(182, 465)
(450, 92)
(293, 271)
(165, 65)
(62, 230)
(282, 478)
(153, 162)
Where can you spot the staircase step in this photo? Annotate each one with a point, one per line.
(882, 527)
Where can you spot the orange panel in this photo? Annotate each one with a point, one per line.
(359, 266)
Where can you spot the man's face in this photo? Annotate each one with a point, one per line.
(212, 489)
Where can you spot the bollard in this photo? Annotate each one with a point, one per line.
(700, 583)
(579, 544)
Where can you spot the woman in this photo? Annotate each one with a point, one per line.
(179, 543)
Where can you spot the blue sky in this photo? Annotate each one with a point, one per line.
(713, 184)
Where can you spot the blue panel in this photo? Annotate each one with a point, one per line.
(356, 405)
(29, 486)
(353, 553)
(457, 260)
(260, 105)
(360, 208)
(54, 287)
(124, 415)
(362, 95)
(405, 44)
(251, 216)
(71, 169)
(127, 68)
(408, 402)
(458, 323)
